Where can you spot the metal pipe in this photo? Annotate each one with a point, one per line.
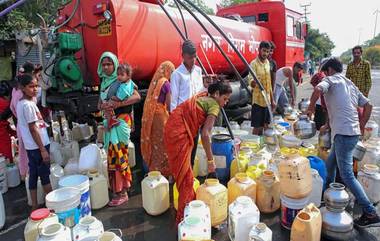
(10, 8)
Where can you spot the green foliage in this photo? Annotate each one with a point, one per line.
(200, 3)
(227, 3)
(346, 56)
(318, 44)
(24, 17)
(372, 54)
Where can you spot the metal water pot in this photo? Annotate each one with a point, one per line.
(304, 128)
(288, 110)
(324, 139)
(303, 105)
(271, 135)
(359, 151)
(337, 224)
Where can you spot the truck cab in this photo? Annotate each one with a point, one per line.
(285, 25)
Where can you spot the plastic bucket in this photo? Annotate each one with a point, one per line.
(65, 203)
(290, 208)
(83, 184)
(223, 150)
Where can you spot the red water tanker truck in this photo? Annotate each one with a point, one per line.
(140, 33)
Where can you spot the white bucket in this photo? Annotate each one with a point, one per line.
(83, 184)
(290, 208)
(110, 236)
(13, 175)
(65, 202)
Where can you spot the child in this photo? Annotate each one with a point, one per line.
(34, 136)
(118, 92)
(5, 130)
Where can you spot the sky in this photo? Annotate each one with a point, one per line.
(346, 22)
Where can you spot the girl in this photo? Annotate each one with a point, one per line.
(182, 126)
(35, 138)
(155, 116)
(116, 138)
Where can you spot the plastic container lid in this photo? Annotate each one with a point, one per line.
(39, 214)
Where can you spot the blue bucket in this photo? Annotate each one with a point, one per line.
(83, 184)
(65, 204)
(223, 150)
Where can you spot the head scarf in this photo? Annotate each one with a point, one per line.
(160, 72)
(107, 80)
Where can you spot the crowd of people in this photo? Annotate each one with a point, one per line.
(180, 107)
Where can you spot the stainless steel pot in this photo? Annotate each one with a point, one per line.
(303, 105)
(359, 151)
(336, 198)
(336, 225)
(324, 139)
(304, 128)
(271, 136)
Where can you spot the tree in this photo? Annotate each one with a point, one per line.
(25, 16)
(200, 3)
(228, 3)
(372, 54)
(318, 44)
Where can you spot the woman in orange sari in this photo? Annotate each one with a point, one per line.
(181, 128)
(156, 113)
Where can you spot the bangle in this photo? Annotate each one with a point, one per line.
(210, 161)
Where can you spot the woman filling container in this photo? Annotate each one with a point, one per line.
(116, 136)
(155, 116)
(182, 126)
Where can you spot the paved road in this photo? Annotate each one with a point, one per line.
(136, 225)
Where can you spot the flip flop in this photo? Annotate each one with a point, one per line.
(118, 201)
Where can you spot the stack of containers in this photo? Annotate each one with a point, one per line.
(296, 186)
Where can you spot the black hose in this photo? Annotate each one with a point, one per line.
(181, 34)
(226, 37)
(220, 49)
(217, 45)
(183, 19)
(71, 16)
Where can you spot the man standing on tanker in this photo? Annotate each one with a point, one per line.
(186, 81)
(260, 117)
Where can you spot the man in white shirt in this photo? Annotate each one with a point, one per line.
(186, 81)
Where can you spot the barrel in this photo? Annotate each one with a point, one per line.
(223, 151)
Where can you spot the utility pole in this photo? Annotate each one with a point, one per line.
(375, 13)
(305, 11)
(360, 34)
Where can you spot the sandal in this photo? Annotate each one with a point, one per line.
(118, 201)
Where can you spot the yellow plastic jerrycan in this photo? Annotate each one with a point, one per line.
(176, 194)
(307, 225)
(239, 165)
(241, 185)
(254, 172)
(268, 193)
(215, 196)
(295, 172)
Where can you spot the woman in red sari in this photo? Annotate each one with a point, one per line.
(181, 128)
